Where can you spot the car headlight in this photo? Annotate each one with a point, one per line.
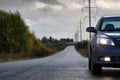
(105, 41)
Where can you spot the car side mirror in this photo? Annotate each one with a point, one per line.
(90, 29)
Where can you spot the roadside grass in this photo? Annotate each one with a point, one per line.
(44, 52)
(4, 57)
(83, 52)
(15, 57)
(81, 47)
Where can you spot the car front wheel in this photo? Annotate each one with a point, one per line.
(89, 64)
(95, 68)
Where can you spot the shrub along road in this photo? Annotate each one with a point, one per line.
(66, 65)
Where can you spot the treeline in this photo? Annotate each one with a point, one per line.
(15, 37)
(55, 43)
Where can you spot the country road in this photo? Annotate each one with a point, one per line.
(65, 65)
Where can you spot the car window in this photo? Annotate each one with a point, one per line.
(116, 25)
(112, 24)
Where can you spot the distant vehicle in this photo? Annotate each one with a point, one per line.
(104, 46)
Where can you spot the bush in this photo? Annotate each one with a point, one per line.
(81, 47)
(43, 52)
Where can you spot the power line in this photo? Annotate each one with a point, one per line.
(89, 13)
(90, 16)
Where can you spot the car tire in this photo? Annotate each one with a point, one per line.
(89, 64)
(95, 68)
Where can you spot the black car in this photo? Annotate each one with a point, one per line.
(104, 45)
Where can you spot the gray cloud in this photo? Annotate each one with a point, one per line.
(48, 20)
(8, 4)
(51, 2)
(114, 0)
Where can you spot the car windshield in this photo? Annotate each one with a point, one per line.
(111, 24)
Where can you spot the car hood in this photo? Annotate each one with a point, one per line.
(115, 35)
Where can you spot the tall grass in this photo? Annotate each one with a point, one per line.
(81, 47)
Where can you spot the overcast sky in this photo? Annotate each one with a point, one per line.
(59, 18)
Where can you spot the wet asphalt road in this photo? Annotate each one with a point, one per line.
(65, 65)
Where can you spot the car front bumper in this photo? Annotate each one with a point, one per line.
(100, 52)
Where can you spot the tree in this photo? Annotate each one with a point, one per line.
(44, 39)
(14, 34)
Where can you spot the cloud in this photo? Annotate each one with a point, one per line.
(108, 4)
(45, 7)
(57, 18)
(39, 5)
(51, 2)
(28, 22)
(14, 3)
(74, 5)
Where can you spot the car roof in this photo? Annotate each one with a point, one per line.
(110, 16)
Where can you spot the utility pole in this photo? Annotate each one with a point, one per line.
(77, 36)
(90, 15)
(89, 2)
(80, 31)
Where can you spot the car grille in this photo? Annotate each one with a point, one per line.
(116, 59)
(118, 41)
